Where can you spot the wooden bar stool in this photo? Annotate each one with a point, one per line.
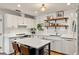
(16, 48)
(24, 50)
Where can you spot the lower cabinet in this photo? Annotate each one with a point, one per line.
(64, 46)
(69, 46)
(57, 45)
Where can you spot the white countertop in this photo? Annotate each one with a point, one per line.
(33, 42)
(14, 35)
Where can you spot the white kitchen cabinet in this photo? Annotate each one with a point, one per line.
(57, 45)
(8, 20)
(29, 22)
(64, 45)
(14, 21)
(11, 20)
(25, 21)
(69, 46)
(20, 20)
(52, 45)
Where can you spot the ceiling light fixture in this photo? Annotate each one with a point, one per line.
(18, 5)
(43, 7)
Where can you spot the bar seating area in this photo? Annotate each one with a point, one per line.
(25, 50)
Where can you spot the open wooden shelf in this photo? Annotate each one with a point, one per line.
(57, 26)
(60, 18)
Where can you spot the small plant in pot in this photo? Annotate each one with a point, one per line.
(39, 27)
(33, 30)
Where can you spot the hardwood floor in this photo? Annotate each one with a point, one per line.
(55, 53)
(2, 54)
(52, 53)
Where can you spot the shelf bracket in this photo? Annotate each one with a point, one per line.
(66, 20)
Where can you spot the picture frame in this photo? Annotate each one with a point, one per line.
(60, 13)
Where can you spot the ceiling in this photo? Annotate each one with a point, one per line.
(34, 8)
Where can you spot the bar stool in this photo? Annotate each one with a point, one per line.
(24, 50)
(16, 48)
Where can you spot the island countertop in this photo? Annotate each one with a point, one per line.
(33, 42)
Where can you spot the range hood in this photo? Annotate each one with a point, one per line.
(22, 26)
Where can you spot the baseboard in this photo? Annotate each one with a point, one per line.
(58, 52)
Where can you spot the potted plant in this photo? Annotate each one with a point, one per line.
(33, 30)
(39, 27)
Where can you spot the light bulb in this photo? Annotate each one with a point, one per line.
(43, 8)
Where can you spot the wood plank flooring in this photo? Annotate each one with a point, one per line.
(52, 53)
(2, 54)
(55, 53)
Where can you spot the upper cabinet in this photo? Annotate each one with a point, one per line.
(13, 21)
(19, 20)
(29, 22)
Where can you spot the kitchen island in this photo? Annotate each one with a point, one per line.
(35, 43)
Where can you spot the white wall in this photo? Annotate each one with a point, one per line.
(71, 14)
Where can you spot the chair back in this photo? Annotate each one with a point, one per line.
(24, 50)
(16, 48)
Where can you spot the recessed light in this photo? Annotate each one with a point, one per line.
(68, 3)
(18, 5)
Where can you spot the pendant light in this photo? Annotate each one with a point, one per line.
(43, 7)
